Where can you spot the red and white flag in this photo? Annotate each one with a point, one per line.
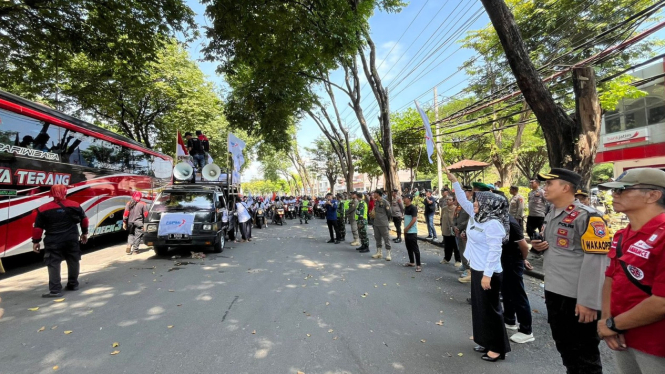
(180, 149)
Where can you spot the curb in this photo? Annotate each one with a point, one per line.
(532, 273)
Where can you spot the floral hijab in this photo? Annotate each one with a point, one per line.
(492, 206)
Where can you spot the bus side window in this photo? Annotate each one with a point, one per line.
(140, 163)
(23, 131)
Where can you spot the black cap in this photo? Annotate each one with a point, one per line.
(188, 133)
(198, 132)
(467, 188)
(563, 174)
(407, 196)
(395, 190)
(481, 186)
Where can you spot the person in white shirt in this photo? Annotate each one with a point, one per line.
(487, 229)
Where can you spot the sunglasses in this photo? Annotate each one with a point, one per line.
(620, 190)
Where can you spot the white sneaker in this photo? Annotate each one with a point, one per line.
(443, 261)
(512, 327)
(458, 264)
(522, 338)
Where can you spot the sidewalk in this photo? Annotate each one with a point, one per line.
(535, 260)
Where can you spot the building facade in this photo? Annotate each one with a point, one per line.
(633, 135)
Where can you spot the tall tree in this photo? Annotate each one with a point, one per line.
(324, 161)
(575, 140)
(40, 37)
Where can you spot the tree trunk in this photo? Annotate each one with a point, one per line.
(568, 143)
(588, 117)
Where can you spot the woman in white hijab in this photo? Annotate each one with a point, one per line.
(486, 232)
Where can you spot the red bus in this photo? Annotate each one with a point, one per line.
(40, 147)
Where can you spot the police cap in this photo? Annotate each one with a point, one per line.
(480, 186)
(563, 174)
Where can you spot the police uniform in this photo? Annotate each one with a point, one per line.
(537, 211)
(353, 219)
(574, 264)
(516, 209)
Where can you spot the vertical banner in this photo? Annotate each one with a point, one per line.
(429, 138)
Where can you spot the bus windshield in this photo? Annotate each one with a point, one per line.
(184, 200)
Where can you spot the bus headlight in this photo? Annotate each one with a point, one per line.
(151, 228)
(207, 227)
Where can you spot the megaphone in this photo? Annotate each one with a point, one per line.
(211, 172)
(183, 171)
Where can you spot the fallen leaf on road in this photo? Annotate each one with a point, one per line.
(58, 300)
(438, 278)
(335, 338)
(327, 303)
(254, 332)
(169, 326)
(471, 337)
(330, 331)
(114, 353)
(56, 367)
(440, 323)
(68, 332)
(460, 354)
(375, 286)
(34, 309)
(54, 327)
(42, 329)
(423, 340)
(365, 294)
(179, 305)
(171, 290)
(536, 311)
(385, 284)
(308, 335)
(301, 372)
(114, 345)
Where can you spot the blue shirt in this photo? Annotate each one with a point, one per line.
(331, 211)
(411, 213)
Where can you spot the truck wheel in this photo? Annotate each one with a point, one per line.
(219, 246)
(161, 250)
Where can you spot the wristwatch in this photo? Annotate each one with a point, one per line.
(610, 325)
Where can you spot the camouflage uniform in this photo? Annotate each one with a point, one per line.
(361, 212)
(341, 214)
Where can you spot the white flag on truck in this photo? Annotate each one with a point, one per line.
(236, 147)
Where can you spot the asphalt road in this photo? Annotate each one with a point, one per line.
(285, 303)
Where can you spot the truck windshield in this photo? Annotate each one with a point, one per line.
(184, 200)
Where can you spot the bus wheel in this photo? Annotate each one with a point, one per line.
(161, 250)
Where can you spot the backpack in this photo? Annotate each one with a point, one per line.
(205, 143)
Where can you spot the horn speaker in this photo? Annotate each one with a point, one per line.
(211, 172)
(183, 171)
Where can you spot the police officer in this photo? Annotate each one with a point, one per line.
(576, 243)
(361, 219)
(304, 209)
(341, 215)
(537, 208)
(382, 218)
(59, 219)
(516, 209)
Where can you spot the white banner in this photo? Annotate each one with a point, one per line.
(429, 138)
(236, 147)
(176, 223)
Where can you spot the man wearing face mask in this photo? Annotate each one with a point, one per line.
(575, 242)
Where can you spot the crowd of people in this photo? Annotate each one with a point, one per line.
(597, 287)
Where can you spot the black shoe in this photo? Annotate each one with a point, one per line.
(301, 222)
(306, 223)
(398, 240)
(364, 250)
(72, 288)
(336, 241)
(51, 294)
(485, 357)
(330, 241)
(361, 248)
(480, 349)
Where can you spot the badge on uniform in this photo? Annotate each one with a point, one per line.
(562, 242)
(595, 239)
(599, 228)
(571, 217)
(562, 232)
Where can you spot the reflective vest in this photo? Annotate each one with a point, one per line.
(305, 205)
(346, 205)
(362, 206)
